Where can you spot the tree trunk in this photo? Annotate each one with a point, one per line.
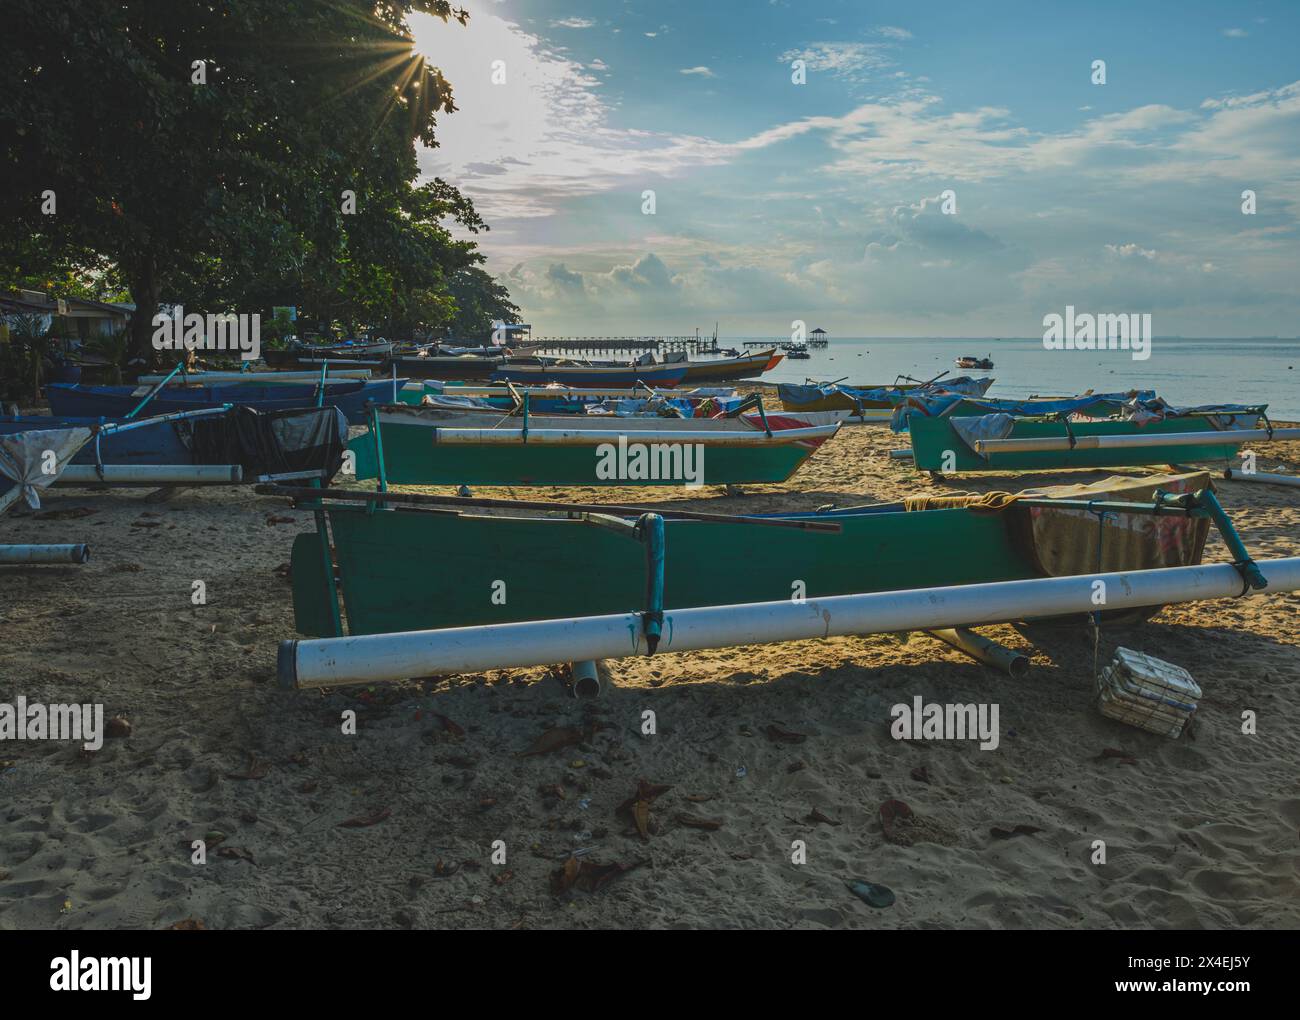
(146, 288)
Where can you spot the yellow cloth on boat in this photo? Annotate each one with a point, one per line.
(976, 502)
(1065, 542)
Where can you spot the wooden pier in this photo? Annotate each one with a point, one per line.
(614, 344)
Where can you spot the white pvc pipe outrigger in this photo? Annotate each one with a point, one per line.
(380, 658)
(11, 554)
(1226, 437)
(1238, 475)
(151, 474)
(586, 436)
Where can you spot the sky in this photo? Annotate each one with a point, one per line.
(946, 169)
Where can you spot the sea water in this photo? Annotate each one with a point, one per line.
(1185, 371)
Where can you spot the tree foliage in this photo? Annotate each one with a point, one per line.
(203, 151)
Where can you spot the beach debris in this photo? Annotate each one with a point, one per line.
(1120, 754)
(554, 739)
(236, 853)
(503, 877)
(579, 873)
(441, 869)
(997, 832)
(777, 735)
(274, 519)
(310, 786)
(795, 766)
(188, 924)
(741, 772)
(118, 726)
(921, 774)
(1146, 692)
(448, 725)
(284, 570)
(71, 513)
(551, 790)
(691, 822)
(638, 807)
(873, 895)
(818, 817)
(256, 769)
(698, 798)
(904, 827)
(365, 821)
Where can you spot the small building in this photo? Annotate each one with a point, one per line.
(67, 318)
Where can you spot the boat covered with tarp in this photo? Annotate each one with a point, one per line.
(1140, 433)
(871, 403)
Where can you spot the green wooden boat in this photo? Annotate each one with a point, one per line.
(938, 446)
(432, 446)
(408, 567)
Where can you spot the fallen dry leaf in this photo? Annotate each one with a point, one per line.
(779, 736)
(553, 740)
(364, 821)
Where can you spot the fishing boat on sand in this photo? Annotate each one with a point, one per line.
(443, 446)
(233, 443)
(658, 562)
(1085, 437)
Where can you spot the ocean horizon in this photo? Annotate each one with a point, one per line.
(1185, 371)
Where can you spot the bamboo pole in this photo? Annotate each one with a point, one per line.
(416, 499)
(380, 658)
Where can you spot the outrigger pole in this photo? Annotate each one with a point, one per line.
(379, 658)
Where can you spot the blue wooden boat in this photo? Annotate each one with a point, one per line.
(349, 396)
(301, 440)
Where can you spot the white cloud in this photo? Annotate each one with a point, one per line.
(1235, 33)
(573, 23)
(893, 32)
(701, 70)
(852, 61)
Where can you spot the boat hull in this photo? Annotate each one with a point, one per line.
(387, 585)
(448, 368)
(619, 377)
(414, 455)
(936, 446)
(747, 366)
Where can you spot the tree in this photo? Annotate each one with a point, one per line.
(481, 303)
(205, 148)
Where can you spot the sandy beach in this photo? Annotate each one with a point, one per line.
(759, 746)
